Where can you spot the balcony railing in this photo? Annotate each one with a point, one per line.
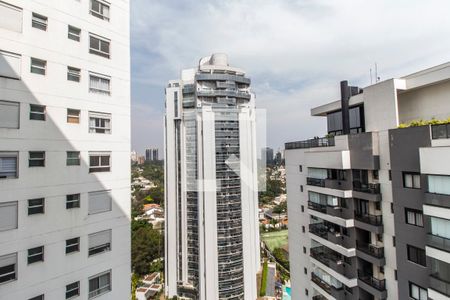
(315, 181)
(439, 285)
(369, 219)
(319, 230)
(317, 280)
(370, 249)
(311, 143)
(379, 284)
(317, 207)
(325, 256)
(440, 131)
(319, 297)
(438, 242)
(370, 188)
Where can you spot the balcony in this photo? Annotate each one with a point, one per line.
(437, 199)
(441, 131)
(319, 297)
(375, 286)
(369, 222)
(332, 260)
(315, 181)
(317, 207)
(311, 143)
(370, 253)
(438, 242)
(319, 229)
(439, 285)
(367, 191)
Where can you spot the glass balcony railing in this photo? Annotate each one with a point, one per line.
(369, 219)
(315, 181)
(440, 131)
(370, 188)
(439, 284)
(311, 143)
(317, 207)
(379, 284)
(438, 242)
(370, 249)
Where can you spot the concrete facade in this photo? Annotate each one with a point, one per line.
(55, 115)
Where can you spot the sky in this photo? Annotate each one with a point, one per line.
(295, 51)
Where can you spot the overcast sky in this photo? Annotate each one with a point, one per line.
(295, 51)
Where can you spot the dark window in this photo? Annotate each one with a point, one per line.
(301, 188)
(378, 205)
(72, 201)
(334, 122)
(36, 159)
(8, 267)
(36, 206)
(73, 245)
(393, 241)
(392, 207)
(74, 33)
(416, 255)
(37, 112)
(305, 270)
(72, 290)
(411, 180)
(379, 237)
(40, 297)
(395, 275)
(303, 229)
(99, 284)
(390, 174)
(304, 250)
(375, 174)
(35, 254)
(355, 117)
(73, 158)
(414, 217)
(73, 74)
(39, 21)
(306, 292)
(303, 208)
(300, 168)
(99, 162)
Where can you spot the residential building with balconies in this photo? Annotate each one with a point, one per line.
(368, 203)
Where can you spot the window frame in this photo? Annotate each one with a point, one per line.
(100, 116)
(70, 161)
(100, 14)
(8, 205)
(39, 21)
(73, 203)
(73, 73)
(35, 68)
(100, 290)
(420, 256)
(100, 167)
(416, 213)
(103, 248)
(98, 50)
(38, 115)
(94, 90)
(73, 116)
(71, 35)
(74, 247)
(10, 154)
(12, 256)
(413, 180)
(70, 290)
(14, 104)
(39, 255)
(34, 160)
(419, 289)
(36, 207)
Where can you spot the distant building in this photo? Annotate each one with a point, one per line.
(134, 156)
(278, 158)
(141, 160)
(151, 154)
(267, 154)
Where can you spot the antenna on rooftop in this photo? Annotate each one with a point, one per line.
(377, 79)
(371, 76)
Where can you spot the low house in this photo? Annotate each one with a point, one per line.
(150, 288)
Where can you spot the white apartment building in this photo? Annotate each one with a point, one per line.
(64, 149)
(369, 204)
(211, 203)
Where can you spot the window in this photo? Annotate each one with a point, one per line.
(334, 122)
(40, 297)
(395, 275)
(72, 201)
(416, 292)
(100, 9)
(394, 241)
(303, 229)
(100, 84)
(439, 184)
(304, 250)
(37, 112)
(392, 208)
(73, 245)
(440, 227)
(11, 17)
(8, 267)
(9, 114)
(390, 175)
(36, 159)
(100, 242)
(36, 206)
(72, 290)
(99, 122)
(411, 180)
(306, 292)
(416, 255)
(39, 21)
(99, 202)
(300, 168)
(38, 66)
(99, 162)
(301, 188)
(305, 270)
(99, 46)
(73, 116)
(414, 217)
(10, 63)
(73, 74)
(74, 33)
(99, 284)
(302, 208)
(8, 215)
(8, 164)
(35, 254)
(73, 158)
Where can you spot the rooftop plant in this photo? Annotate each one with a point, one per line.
(421, 122)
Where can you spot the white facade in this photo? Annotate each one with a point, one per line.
(39, 41)
(212, 238)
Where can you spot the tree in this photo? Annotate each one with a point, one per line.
(146, 246)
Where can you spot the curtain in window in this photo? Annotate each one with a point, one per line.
(99, 238)
(439, 184)
(99, 83)
(8, 166)
(411, 217)
(332, 200)
(317, 173)
(408, 180)
(440, 227)
(8, 215)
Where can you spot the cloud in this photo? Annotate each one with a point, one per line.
(296, 52)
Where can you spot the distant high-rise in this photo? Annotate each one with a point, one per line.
(212, 233)
(267, 155)
(151, 154)
(64, 150)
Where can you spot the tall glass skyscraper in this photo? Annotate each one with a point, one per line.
(212, 239)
